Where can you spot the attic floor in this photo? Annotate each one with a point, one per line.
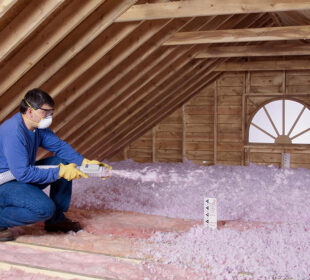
(109, 247)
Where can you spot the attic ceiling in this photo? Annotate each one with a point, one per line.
(117, 68)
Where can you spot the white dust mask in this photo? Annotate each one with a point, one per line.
(45, 122)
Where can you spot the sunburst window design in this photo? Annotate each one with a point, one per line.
(281, 122)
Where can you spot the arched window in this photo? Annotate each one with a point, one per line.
(281, 122)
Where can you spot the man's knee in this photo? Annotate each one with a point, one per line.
(46, 210)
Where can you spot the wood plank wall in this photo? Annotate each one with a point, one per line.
(210, 128)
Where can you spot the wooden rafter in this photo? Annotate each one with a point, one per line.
(103, 68)
(102, 130)
(79, 51)
(167, 107)
(25, 24)
(70, 17)
(128, 62)
(107, 100)
(197, 8)
(241, 35)
(118, 122)
(6, 5)
(118, 105)
(255, 50)
(186, 77)
(265, 65)
(165, 111)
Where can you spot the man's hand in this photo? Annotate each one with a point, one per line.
(70, 172)
(87, 161)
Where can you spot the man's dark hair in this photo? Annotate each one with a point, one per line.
(36, 98)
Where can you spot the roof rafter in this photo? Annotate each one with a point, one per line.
(197, 8)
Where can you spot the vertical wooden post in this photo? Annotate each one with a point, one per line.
(215, 123)
(126, 153)
(154, 144)
(284, 82)
(243, 121)
(248, 156)
(283, 101)
(283, 113)
(247, 87)
(184, 133)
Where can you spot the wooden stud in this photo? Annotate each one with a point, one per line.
(154, 144)
(126, 153)
(243, 118)
(215, 132)
(183, 133)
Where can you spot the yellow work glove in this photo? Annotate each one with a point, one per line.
(70, 172)
(87, 161)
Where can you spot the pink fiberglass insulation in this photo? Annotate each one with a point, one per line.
(253, 193)
(14, 273)
(276, 198)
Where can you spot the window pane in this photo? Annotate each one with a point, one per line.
(275, 111)
(302, 124)
(257, 136)
(261, 120)
(292, 110)
(302, 139)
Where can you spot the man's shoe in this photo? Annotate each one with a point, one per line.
(64, 226)
(6, 235)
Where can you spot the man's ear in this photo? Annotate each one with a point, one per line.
(29, 111)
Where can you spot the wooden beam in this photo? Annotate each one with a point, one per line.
(133, 89)
(72, 55)
(240, 35)
(158, 86)
(255, 50)
(48, 37)
(24, 24)
(186, 79)
(6, 5)
(137, 125)
(134, 133)
(97, 85)
(196, 8)
(269, 65)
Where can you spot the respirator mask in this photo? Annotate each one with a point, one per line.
(44, 122)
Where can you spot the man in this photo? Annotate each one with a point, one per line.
(23, 201)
